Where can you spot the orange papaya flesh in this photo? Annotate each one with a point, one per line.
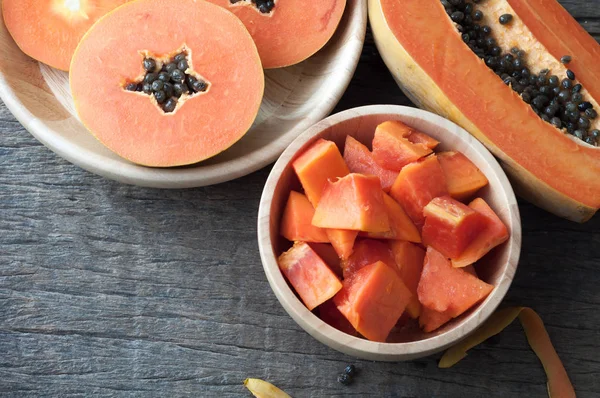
(342, 241)
(444, 288)
(409, 258)
(493, 234)
(417, 184)
(329, 313)
(392, 149)
(367, 251)
(329, 255)
(320, 163)
(354, 202)
(450, 226)
(296, 223)
(373, 299)
(417, 137)
(360, 160)
(291, 31)
(559, 384)
(131, 123)
(401, 226)
(49, 30)
(309, 275)
(536, 155)
(463, 178)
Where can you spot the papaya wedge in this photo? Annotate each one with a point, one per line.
(438, 71)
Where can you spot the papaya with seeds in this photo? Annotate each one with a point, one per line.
(444, 71)
(168, 43)
(287, 32)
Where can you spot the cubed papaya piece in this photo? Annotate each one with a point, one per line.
(409, 258)
(320, 163)
(444, 288)
(329, 255)
(296, 223)
(417, 137)
(329, 314)
(360, 160)
(309, 275)
(353, 202)
(463, 178)
(373, 299)
(493, 234)
(367, 251)
(401, 226)
(392, 149)
(417, 184)
(450, 226)
(342, 241)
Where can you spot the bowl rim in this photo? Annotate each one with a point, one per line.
(189, 177)
(341, 341)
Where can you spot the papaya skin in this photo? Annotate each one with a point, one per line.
(554, 186)
(137, 129)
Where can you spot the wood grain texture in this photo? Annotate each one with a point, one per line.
(112, 290)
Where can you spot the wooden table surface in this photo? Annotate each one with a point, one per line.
(114, 290)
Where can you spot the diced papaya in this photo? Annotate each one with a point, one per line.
(416, 137)
(320, 163)
(367, 251)
(329, 255)
(309, 275)
(392, 149)
(401, 226)
(342, 241)
(329, 314)
(373, 299)
(417, 184)
(353, 202)
(360, 160)
(450, 226)
(296, 223)
(409, 259)
(493, 234)
(444, 288)
(463, 178)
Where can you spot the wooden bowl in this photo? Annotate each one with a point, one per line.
(497, 268)
(295, 98)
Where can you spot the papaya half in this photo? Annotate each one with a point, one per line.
(167, 82)
(523, 77)
(49, 30)
(287, 32)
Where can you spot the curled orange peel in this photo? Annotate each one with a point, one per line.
(559, 385)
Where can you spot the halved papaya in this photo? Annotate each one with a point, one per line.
(155, 81)
(463, 178)
(287, 32)
(446, 71)
(49, 30)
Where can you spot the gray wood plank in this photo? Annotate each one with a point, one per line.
(114, 290)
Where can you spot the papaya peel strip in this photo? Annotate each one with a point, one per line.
(559, 385)
(262, 389)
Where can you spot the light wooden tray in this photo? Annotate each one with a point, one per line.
(295, 98)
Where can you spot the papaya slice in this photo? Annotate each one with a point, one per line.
(450, 226)
(296, 223)
(367, 251)
(342, 241)
(354, 202)
(409, 258)
(49, 30)
(161, 126)
(416, 137)
(392, 149)
(360, 160)
(329, 255)
(310, 276)
(417, 184)
(287, 32)
(537, 146)
(494, 233)
(463, 178)
(373, 300)
(401, 226)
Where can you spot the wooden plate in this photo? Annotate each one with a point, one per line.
(497, 268)
(295, 98)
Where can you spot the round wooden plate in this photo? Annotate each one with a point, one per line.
(295, 98)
